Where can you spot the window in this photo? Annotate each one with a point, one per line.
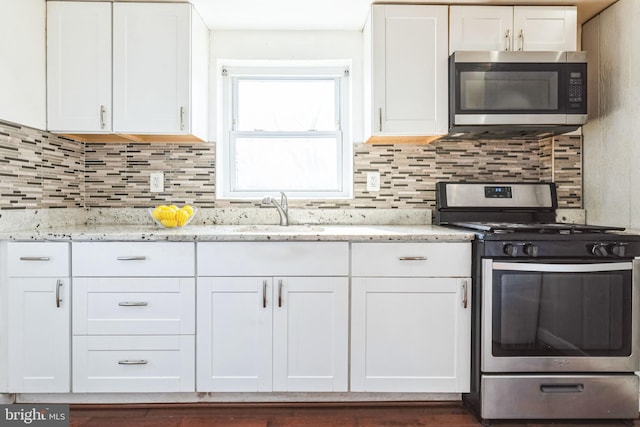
(284, 130)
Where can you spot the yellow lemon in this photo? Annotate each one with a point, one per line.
(157, 214)
(189, 210)
(168, 214)
(169, 223)
(173, 207)
(182, 216)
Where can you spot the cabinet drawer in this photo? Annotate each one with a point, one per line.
(273, 259)
(411, 259)
(133, 364)
(133, 306)
(133, 259)
(38, 259)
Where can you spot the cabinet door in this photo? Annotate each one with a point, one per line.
(545, 28)
(234, 319)
(151, 45)
(480, 28)
(79, 66)
(310, 333)
(409, 66)
(410, 335)
(39, 335)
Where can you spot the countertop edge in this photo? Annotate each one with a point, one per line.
(353, 233)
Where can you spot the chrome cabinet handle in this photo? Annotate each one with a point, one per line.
(264, 294)
(465, 294)
(181, 118)
(133, 304)
(521, 37)
(380, 119)
(133, 362)
(35, 258)
(58, 299)
(103, 110)
(279, 293)
(132, 258)
(413, 258)
(507, 37)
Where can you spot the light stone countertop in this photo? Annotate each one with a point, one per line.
(245, 224)
(243, 232)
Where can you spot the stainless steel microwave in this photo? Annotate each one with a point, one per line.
(517, 93)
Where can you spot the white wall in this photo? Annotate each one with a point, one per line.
(288, 45)
(23, 58)
(611, 137)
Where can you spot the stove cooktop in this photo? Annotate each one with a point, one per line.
(542, 228)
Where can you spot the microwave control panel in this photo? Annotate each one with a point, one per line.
(577, 87)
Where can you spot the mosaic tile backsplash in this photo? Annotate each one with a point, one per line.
(43, 170)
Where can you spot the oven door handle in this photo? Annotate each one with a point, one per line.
(562, 268)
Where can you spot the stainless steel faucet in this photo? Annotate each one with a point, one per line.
(282, 207)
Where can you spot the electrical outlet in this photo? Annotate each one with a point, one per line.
(156, 182)
(373, 181)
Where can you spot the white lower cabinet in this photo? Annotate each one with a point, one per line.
(410, 333)
(250, 316)
(133, 317)
(38, 317)
(270, 331)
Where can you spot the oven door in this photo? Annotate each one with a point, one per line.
(559, 316)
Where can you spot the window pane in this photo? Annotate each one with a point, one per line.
(286, 164)
(286, 104)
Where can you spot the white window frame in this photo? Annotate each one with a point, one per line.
(225, 152)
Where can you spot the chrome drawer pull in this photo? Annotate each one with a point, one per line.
(35, 258)
(413, 258)
(133, 304)
(132, 258)
(133, 362)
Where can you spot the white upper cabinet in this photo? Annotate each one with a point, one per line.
(150, 85)
(524, 28)
(406, 70)
(151, 67)
(79, 66)
(545, 28)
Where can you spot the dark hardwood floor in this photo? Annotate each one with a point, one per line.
(431, 414)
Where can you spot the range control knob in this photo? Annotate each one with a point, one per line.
(618, 249)
(599, 249)
(531, 250)
(511, 250)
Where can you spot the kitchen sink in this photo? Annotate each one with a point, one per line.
(278, 229)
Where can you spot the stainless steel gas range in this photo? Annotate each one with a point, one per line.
(555, 307)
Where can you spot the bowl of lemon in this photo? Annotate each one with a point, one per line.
(172, 216)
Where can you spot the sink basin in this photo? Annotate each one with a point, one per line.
(278, 229)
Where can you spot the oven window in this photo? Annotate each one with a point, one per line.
(561, 314)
